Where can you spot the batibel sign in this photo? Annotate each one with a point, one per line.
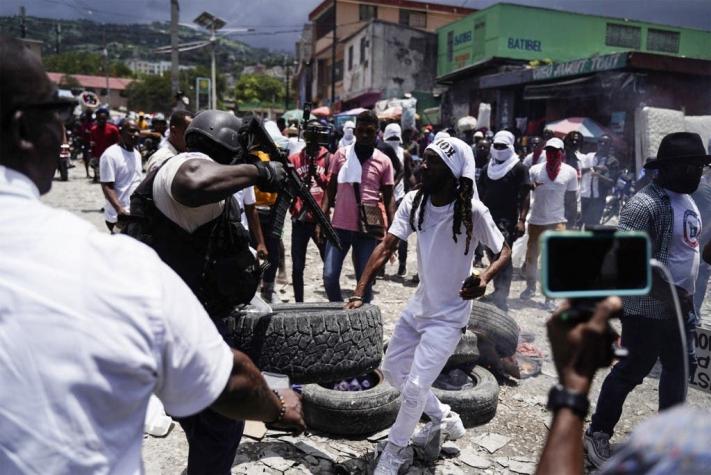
(524, 44)
(462, 38)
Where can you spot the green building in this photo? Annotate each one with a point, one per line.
(517, 32)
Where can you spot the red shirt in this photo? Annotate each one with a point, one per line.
(318, 182)
(103, 138)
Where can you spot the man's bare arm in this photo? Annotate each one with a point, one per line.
(247, 396)
(199, 182)
(499, 262)
(389, 202)
(381, 254)
(110, 194)
(255, 228)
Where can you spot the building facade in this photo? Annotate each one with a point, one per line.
(322, 79)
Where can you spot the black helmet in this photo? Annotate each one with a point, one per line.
(218, 126)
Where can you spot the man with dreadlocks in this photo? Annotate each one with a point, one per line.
(449, 221)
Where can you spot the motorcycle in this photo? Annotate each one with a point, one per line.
(63, 162)
(620, 194)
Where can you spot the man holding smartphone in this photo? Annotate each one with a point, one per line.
(449, 221)
(667, 213)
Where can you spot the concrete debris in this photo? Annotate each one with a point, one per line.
(522, 467)
(318, 452)
(492, 442)
(276, 461)
(449, 449)
(503, 461)
(379, 435)
(448, 469)
(471, 458)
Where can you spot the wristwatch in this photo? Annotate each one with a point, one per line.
(559, 397)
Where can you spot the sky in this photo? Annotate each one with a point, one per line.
(277, 23)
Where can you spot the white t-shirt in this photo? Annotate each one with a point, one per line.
(245, 197)
(441, 263)
(161, 155)
(548, 206)
(91, 325)
(186, 217)
(684, 252)
(124, 169)
(589, 184)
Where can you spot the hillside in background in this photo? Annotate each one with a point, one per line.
(128, 41)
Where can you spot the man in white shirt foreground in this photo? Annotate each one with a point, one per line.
(120, 172)
(175, 143)
(431, 325)
(555, 185)
(92, 324)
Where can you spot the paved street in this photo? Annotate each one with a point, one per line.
(521, 418)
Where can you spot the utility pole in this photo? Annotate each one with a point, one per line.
(106, 65)
(213, 74)
(57, 31)
(23, 25)
(286, 96)
(333, 56)
(174, 68)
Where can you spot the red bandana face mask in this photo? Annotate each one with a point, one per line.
(553, 161)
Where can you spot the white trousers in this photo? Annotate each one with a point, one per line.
(417, 353)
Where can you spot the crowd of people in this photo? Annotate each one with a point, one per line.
(93, 323)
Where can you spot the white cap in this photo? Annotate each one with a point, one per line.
(392, 131)
(504, 137)
(555, 142)
(349, 124)
(479, 134)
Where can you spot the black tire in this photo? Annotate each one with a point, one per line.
(348, 413)
(466, 352)
(63, 170)
(476, 406)
(312, 343)
(494, 326)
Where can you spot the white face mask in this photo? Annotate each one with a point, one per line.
(348, 133)
(501, 155)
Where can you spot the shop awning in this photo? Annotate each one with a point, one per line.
(579, 87)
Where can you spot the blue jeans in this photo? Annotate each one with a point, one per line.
(646, 339)
(301, 234)
(363, 247)
(701, 282)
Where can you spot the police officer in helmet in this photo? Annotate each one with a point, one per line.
(185, 212)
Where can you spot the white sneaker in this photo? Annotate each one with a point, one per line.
(431, 437)
(597, 447)
(393, 460)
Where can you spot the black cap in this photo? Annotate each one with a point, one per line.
(679, 146)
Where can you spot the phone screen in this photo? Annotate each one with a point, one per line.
(588, 264)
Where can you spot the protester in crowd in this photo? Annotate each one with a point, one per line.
(159, 127)
(103, 134)
(702, 198)
(548, 134)
(193, 192)
(180, 101)
(430, 327)
(554, 201)
(311, 164)
(482, 155)
(478, 135)
(249, 217)
(142, 121)
(120, 173)
(599, 171)
(348, 137)
(404, 182)
(83, 131)
(361, 179)
(573, 156)
(666, 212)
(112, 323)
(504, 188)
(175, 143)
(537, 155)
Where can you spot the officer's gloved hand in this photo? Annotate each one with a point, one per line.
(271, 176)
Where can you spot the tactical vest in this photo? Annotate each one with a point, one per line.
(215, 260)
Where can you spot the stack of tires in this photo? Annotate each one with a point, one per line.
(320, 344)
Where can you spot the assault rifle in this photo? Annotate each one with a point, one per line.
(257, 139)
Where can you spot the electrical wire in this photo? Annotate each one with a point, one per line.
(682, 327)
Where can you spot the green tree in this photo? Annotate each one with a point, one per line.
(150, 94)
(259, 88)
(82, 62)
(68, 82)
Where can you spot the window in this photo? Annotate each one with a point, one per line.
(367, 12)
(363, 46)
(479, 37)
(450, 45)
(324, 24)
(663, 40)
(339, 70)
(413, 19)
(350, 57)
(623, 36)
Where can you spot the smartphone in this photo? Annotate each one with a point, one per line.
(590, 264)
